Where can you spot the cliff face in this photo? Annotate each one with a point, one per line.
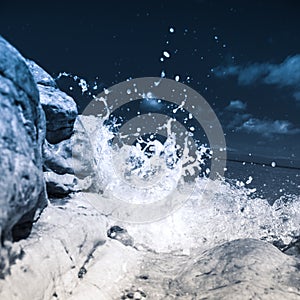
(37, 120)
(22, 133)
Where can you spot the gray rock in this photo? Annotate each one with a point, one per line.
(22, 132)
(40, 76)
(66, 166)
(82, 152)
(62, 241)
(241, 269)
(62, 185)
(293, 248)
(120, 234)
(58, 170)
(58, 157)
(61, 112)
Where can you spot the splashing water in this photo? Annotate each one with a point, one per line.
(146, 171)
(216, 211)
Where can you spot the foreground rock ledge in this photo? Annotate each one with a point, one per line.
(69, 256)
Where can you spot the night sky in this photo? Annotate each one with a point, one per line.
(243, 57)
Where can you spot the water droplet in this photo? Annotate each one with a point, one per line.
(166, 54)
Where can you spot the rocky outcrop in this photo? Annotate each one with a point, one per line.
(120, 234)
(68, 256)
(60, 109)
(60, 247)
(61, 112)
(22, 132)
(62, 185)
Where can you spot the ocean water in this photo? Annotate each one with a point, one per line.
(150, 187)
(149, 196)
(270, 183)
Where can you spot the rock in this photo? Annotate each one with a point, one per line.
(40, 76)
(60, 185)
(60, 109)
(293, 248)
(63, 185)
(120, 234)
(58, 157)
(61, 112)
(60, 245)
(241, 269)
(60, 161)
(137, 296)
(133, 293)
(22, 124)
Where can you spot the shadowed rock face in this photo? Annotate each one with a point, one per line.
(60, 112)
(60, 109)
(22, 132)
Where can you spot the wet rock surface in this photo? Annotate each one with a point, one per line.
(61, 112)
(120, 234)
(22, 132)
(80, 256)
(61, 245)
(58, 157)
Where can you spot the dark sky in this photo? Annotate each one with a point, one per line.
(242, 56)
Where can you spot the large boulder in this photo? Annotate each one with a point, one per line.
(61, 113)
(60, 108)
(22, 132)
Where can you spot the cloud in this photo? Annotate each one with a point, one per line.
(236, 105)
(297, 95)
(245, 122)
(285, 74)
(268, 128)
(237, 120)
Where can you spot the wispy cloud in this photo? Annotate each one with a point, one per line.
(237, 119)
(236, 105)
(268, 128)
(285, 74)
